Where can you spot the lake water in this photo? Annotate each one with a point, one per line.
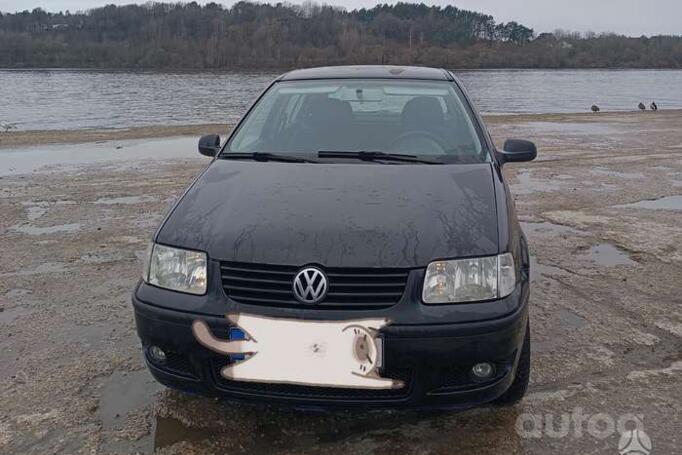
(74, 99)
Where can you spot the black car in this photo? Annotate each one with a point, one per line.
(352, 243)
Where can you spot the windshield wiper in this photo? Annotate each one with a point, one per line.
(265, 156)
(375, 156)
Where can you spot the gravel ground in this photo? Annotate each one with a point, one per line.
(602, 207)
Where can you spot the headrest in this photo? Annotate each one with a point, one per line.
(423, 112)
(323, 111)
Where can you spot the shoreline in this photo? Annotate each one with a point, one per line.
(14, 139)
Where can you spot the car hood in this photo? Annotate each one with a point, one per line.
(337, 215)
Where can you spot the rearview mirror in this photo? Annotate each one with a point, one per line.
(517, 150)
(209, 145)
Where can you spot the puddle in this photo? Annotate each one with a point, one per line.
(527, 184)
(17, 292)
(546, 346)
(622, 175)
(571, 319)
(664, 203)
(128, 239)
(101, 257)
(546, 229)
(26, 160)
(33, 212)
(125, 200)
(538, 270)
(45, 267)
(560, 324)
(36, 209)
(607, 187)
(123, 394)
(88, 336)
(169, 431)
(608, 255)
(260, 430)
(8, 316)
(36, 230)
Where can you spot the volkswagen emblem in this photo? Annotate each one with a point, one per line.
(310, 285)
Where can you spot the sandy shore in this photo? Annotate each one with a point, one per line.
(601, 208)
(44, 137)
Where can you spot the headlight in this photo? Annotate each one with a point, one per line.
(469, 280)
(176, 269)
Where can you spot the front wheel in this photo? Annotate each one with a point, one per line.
(518, 388)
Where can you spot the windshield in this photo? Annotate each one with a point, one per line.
(422, 118)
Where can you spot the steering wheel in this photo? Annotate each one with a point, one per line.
(416, 140)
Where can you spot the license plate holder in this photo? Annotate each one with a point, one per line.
(347, 353)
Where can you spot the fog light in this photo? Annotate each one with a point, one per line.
(483, 370)
(157, 354)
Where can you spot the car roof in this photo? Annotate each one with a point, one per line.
(368, 72)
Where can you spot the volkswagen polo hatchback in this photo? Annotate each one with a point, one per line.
(352, 243)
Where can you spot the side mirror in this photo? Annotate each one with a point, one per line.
(517, 150)
(209, 145)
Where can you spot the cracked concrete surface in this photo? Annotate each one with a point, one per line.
(606, 309)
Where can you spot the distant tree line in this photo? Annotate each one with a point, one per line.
(252, 35)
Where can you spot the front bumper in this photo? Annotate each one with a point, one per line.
(434, 360)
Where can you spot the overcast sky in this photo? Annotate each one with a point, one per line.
(629, 17)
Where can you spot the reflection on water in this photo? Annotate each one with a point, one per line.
(57, 157)
(125, 200)
(169, 431)
(608, 255)
(214, 426)
(527, 184)
(43, 268)
(664, 203)
(43, 230)
(8, 316)
(75, 99)
(122, 395)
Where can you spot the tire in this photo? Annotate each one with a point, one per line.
(519, 386)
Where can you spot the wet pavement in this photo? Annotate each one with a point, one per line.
(601, 211)
(51, 158)
(664, 203)
(608, 255)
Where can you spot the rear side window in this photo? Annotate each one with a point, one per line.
(393, 116)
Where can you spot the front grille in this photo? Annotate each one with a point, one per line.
(271, 285)
(312, 392)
